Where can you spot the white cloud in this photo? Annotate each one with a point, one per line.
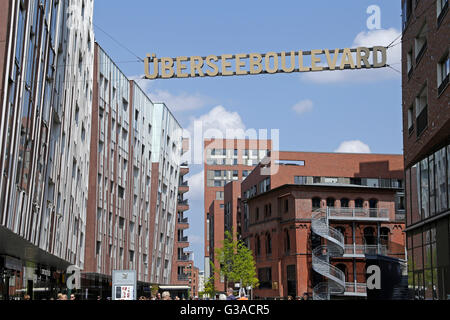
(353, 146)
(181, 102)
(382, 37)
(175, 102)
(303, 106)
(217, 120)
(196, 186)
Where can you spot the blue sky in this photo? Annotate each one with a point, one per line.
(356, 110)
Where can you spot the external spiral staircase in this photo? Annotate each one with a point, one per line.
(321, 256)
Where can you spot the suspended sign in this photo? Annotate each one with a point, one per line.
(271, 62)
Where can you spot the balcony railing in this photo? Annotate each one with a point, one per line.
(185, 257)
(422, 120)
(183, 220)
(358, 213)
(183, 239)
(363, 249)
(355, 288)
(183, 184)
(183, 277)
(183, 202)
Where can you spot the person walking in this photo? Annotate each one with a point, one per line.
(166, 295)
(230, 295)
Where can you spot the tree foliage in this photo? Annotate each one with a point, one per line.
(236, 261)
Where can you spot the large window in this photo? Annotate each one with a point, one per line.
(265, 278)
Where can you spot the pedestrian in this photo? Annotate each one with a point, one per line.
(99, 298)
(166, 295)
(158, 296)
(177, 298)
(64, 296)
(60, 296)
(290, 298)
(26, 297)
(72, 297)
(230, 295)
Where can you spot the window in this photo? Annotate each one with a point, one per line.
(442, 8)
(359, 203)
(420, 43)
(217, 173)
(421, 110)
(410, 119)
(442, 74)
(315, 203)
(258, 246)
(265, 278)
(330, 202)
(287, 243)
(407, 10)
(344, 203)
(235, 174)
(409, 62)
(219, 195)
(257, 214)
(268, 244)
(286, 205)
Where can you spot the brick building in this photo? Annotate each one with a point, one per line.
(225, 160)
(426, 141)
(301, 210)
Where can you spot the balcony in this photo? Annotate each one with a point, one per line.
(184, 257)
(361, 250)
(183, 277)
(182, 220)
(358, 214)
(183, 187)
(182, 205)
(355, 289)
(183, 239)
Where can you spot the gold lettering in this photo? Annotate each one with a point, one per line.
(167, 69)
(226, 64)
(209, 63)
(196, 65)
(332, 63)
(240, 64)
(283, 61)
(181, 67)
(151, 58)
(301, 68)
(347, 59)
(376, 63)
(255, 61)
(364, 58)
(275, 62)
(315, 60)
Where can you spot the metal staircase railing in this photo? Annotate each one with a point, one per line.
(321, 256)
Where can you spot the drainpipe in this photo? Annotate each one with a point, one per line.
(354, 250)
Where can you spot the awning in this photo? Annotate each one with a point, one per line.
(180, 287)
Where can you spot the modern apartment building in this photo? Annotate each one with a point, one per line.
(46, 59)
(225, 160)
(313, 220)
(182, 262)
(426, 142)
(133, 183)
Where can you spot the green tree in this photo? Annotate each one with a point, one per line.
(210, 289)
(236, 261)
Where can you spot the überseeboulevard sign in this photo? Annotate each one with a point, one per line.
(270, 62)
